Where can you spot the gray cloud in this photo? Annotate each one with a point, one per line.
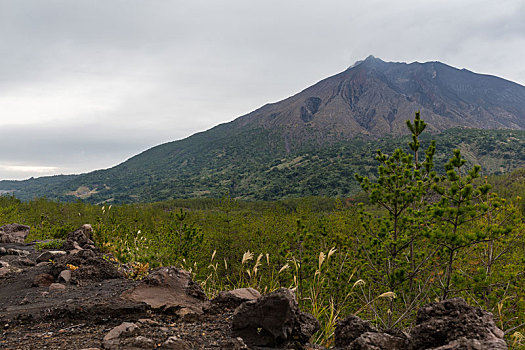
(107, 79)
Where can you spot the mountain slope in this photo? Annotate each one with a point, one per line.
(375, 97)
(313, 142)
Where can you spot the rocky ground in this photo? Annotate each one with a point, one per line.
(77, 298)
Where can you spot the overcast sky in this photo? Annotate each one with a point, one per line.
(87, 84)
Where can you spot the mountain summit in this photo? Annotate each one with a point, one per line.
(313, 142)
(374, 98)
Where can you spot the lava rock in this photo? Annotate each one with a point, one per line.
(380, 341)
(25, 262)
(447, 325)
(349, 329)
(113, 338)
(453, 324)
(240, 295)
(56, 287)
(169, 288)
(233, 298)
(82, 237)
(273, 320)
(175, 343)
(43, 280)
(4, 270)
(91, 266)
(50, 255)
(142, 342)
(233, 344)
(65, 276)
(19, 252)
(13, 233)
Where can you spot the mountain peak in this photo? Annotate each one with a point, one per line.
(370, 60)
(375, 98)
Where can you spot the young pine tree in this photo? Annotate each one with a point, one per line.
(387, 241)
(462, 202)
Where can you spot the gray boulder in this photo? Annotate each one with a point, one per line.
(50, 255)
(169, 289)
(43, 280)
(356, 334)
(113, 338)
(64, 276)
(91, 266)
(351, 328)
(453, 324)
(57, 287)
(448, 325)
(4, 270)
(233, 298)
(13, 233)
(79, 238)
(273, 320)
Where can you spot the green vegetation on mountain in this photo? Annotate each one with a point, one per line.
(255, 166)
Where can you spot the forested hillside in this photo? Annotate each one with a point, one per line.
(253, 166)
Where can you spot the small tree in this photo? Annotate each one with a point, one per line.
(461, 203)
(387, 241)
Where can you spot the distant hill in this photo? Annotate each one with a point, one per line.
(313, 142)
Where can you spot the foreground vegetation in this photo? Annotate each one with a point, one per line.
(311, 244)
(413, 236)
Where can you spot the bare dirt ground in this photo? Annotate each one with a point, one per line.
(80, 315)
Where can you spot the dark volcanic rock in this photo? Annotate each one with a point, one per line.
(13, 233)
(380, 341)
(273, 320)
(233, 298)
(18, 252)
(169, 288)
(447, 325)
(43, 280)
(351, 328)
(357, 334)
(89, 265)
(50, 255)
(456, 325)
(65, 276)
(81, 236)
(113, 338)
(23, 261)
(175, 343)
